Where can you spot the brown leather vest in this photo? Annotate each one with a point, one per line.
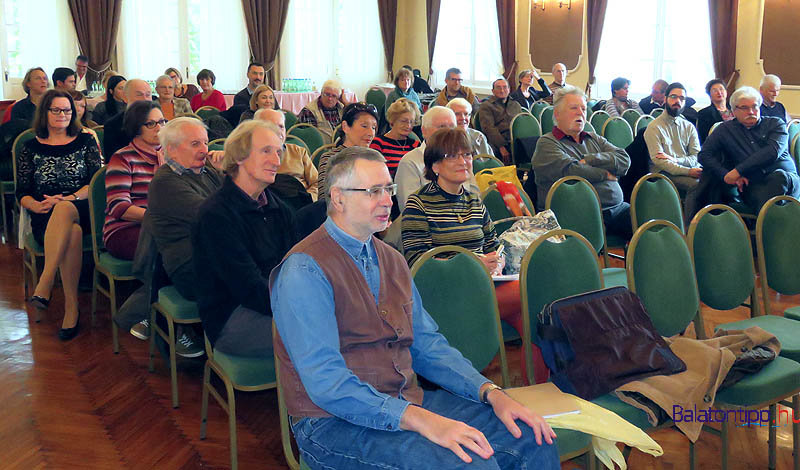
(374, 340)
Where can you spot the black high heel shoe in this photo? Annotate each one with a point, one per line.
(66, 334)
(40, 302)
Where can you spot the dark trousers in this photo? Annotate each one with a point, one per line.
(617, 220)
(777, 183)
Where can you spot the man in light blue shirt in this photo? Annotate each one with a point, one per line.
(349, 374)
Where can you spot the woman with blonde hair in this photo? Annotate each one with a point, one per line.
(402, 115)
(182, 90)
(263, 97)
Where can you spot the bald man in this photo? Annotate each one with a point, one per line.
(114, 137)
(295, 162)
(559, 80)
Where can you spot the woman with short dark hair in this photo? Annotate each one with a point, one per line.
(53, 175)
(209, 97)
(717, 111)
(128, 176)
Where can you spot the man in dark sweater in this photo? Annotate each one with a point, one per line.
(255, 77)
(749, 153)
(114, 136)
(242, 232)
(177, 191)
(770, 88)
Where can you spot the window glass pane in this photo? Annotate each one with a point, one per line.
(147, 26)
(214, 44)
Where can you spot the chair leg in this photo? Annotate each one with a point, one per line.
(692, 456)
(5, 216)
(25, 273)
(204, 404)
(796, 431)
(232, 423)
(724, 450)
(173, 369)
(112, 290)
(773, 435)
(153, 333)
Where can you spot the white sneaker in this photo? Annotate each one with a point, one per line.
(187, 346)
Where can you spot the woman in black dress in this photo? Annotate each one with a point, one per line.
(53, 175)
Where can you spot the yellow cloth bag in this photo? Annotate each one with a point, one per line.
(487, 176)
(606, 428)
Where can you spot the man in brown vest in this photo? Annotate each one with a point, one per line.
(352, 333)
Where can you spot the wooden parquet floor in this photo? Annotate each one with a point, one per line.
(76, 405)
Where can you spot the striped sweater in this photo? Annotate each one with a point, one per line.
(433, 217)
(128, 176)
(393, 150)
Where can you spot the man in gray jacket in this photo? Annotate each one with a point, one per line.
(568, 150)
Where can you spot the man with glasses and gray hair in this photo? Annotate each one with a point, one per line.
(673, 145)
(750, 154)
(325, 113)
(568, 150)
(454, 89)
(350, 381)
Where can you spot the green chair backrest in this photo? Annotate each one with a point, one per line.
(497, 207)
(317, 154)
(459, 294)
(655, 197)
(97, 209)
(590, 104)
(660, 272)
(523, 125)
(217, 144)
(207, 111)
(723, 257)
(576, 206)
(793, 128)
(631, 116)
(588, 127)
(101, 132)
(598, 119)
(290, 119)
(776, 238)
(656, 112)
(481, 162)
(476, 122)
(794, 149)
(308, 134)
(546, 119)
(16, 148)
(642, 123)
(537, 107)
(714, 126)
(377, 97)
(617, 131)
(290, 139)
(550, 271)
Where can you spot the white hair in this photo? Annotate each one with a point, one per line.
(433, 113)
(460, 102)
(172, 134)
(263, 112)
(332, 84)
(559, 95)
(163, 78)
(770, 79)
(745, 92)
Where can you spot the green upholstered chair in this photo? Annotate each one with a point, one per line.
(537, 107)
(598, 119)
(777, 253)
(501, 216)
(576, 205)
(546, 120)
(475, 122)
(290, 119)
(290, 139)
(617, 131)
(217, 144)
(631, 116)
(308, 134)
(656, 112)
(458, 293)
(30, 251)
(315, 156)
(377, 97)
(482, 162)
(523, 125)
(642, 123)
(655, 197)
(113, 269)
(246, 374)
(588, 127)
(206, 112)
(793, 129)
(101, 132)
(661, 272)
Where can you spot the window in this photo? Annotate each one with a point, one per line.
(186, 34)
(325, 39)
(651, 39)
(468, 40)
(35, 34)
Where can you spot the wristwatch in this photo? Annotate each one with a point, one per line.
(485, 394)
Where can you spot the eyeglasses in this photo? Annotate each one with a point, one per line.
(751, 109)
(405, 122)
(466, 156)
(376, 192)
(57, 111)
(330, 95)
(677, 97)
(459, 80)
(153, 124)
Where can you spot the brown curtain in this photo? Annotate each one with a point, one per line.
(96, 24)
(387, 15)
(265, 20)
(506, 21)
(723, 15)
(595, 16)
(432, 9)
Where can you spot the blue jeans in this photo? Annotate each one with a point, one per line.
(333, 443)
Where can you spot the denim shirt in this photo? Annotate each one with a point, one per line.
(303, 307)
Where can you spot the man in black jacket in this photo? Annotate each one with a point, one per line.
(242, 232)
(114, 137)
(255, 77)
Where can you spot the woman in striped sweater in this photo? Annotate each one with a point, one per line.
(402, 115)
(128, 176)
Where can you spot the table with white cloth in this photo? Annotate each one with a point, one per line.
(295, 102)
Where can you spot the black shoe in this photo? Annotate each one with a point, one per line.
(66, 334)
(40, 302)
